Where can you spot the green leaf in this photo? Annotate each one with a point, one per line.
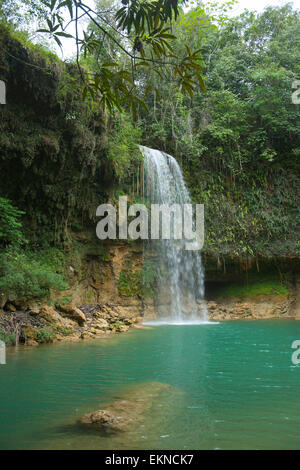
(64, 35)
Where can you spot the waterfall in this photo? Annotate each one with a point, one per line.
(181, 276)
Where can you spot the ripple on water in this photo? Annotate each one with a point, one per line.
(229, 392)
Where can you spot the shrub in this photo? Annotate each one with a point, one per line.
(8, 338)
(63, 330)
(28, 275)
(10, 226)
(44, 335)
(130, 281)
(123, 152)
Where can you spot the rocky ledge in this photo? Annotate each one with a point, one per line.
(259, 308)
(48, 324)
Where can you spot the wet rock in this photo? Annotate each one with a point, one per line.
(103, 419)
(86, 335)
(31, 342)
(126, 412)
(138, 326)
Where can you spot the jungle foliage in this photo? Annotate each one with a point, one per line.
(140, 35)
(63, 152)
(240, 143)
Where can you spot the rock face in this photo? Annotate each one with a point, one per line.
(128, 411)
(295, 307)
(49, 314)
(99, 278)
(106, 299)
(3, 300)
(46, 324)
(72, 312)
(260, 307)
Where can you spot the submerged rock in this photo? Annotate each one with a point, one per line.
(126, 412)
(103, 419)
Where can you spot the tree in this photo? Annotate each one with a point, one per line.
(239, 144)
(20, 13)
(140, 31)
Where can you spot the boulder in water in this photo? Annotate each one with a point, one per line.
(126, 412)
(103, 419)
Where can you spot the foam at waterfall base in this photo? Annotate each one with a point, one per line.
(179, 322)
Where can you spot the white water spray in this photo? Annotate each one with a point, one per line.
(181, 276)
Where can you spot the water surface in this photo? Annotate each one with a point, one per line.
(234, 387)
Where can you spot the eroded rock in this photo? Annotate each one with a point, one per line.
(73, 312)
(103, 419)
(50, 314)
(3, 300)
(126, 412)
(249, 309)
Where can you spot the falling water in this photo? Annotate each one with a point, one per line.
(181, 276)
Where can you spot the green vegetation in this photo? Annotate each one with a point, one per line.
(64, 151)
(130, 281)
(64, 331)
(44, 335)
(150, 277)
(26, 273)
(239, 144)
(123, 152)
(136, 36)
(20, 14)
(65, 160)
(10, 225)
(29, 274)
(8, 338)
(263, 287)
